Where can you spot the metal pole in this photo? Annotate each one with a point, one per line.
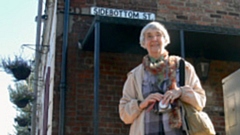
(182, 43)
(62, 104)
(36, 68)
(96, 75)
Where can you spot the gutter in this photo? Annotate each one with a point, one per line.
(63, 70)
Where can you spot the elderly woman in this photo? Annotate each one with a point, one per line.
(155, 83)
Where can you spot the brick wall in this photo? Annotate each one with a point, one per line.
(113, 70)
(80, 95)
(223, 13)
(214, 91)
(114, 67)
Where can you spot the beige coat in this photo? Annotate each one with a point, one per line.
(129, 111)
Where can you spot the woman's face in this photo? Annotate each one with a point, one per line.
(154, 42)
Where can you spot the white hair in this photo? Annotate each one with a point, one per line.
(154, 25)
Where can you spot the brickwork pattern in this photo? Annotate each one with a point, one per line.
(113, 70)
(223, 13)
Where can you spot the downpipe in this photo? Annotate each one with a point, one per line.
(62, 104)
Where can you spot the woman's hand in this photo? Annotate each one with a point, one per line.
(172, 94)
(150, 100)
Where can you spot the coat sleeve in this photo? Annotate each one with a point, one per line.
(192, 92)
(128, 106)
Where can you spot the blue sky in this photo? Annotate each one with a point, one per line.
(17, 27)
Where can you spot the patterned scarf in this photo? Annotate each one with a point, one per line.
(164, 67)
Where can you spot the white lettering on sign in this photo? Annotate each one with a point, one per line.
(122, 13)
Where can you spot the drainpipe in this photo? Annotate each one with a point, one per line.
(36, 68)
(63, 69)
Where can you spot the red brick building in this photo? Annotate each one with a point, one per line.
(82, 75)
